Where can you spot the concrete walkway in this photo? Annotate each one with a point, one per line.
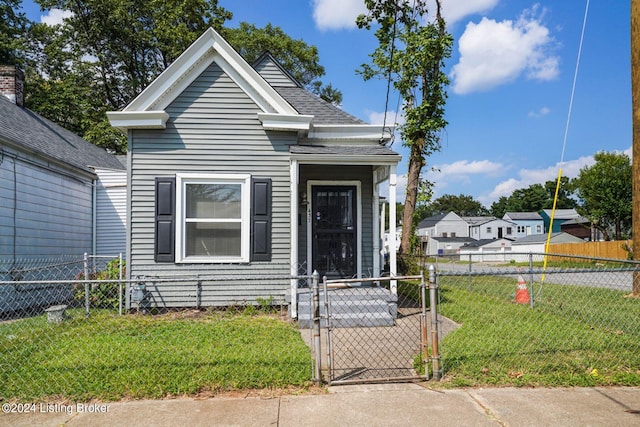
(361, 405)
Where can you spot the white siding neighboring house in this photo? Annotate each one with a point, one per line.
(47, 181)
(535, 244)
(446, 246)
(487, 250)
(481, 228)
(111, 212)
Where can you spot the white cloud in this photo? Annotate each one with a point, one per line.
(455, 10)
(529, 177)
(539, 113)
(392, 118)
(55, 16)
(342, 14)
(462, 171)
(337, 14)
(495, 53)
(463, 168)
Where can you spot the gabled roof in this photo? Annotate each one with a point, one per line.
(577, 221)
(558, 237)
(290, 108)
(273, 72)
(432, 221)
(562, 213)
(323, 112)
(484, 242)
(453, 239)
(29, 131)
(294, 93)
(523, 216)
(476, 221)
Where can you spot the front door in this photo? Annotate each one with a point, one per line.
(334, 233)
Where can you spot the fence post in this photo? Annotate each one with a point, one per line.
(423, 325)
(315, 278)
(435, 336)
(86, 284)
(120, 284)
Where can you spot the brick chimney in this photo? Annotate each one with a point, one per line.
(12, 84)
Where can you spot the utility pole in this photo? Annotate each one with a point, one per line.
(635, 102)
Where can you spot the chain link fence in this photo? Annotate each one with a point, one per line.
(67, 332)
(541, 320)
(551, 320)
(367, 329)
(31, 285)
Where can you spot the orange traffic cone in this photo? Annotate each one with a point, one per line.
(522, 293)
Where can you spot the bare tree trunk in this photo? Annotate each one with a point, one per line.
(635, 99)
(416, 162)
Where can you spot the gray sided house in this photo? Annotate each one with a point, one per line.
(489, 227)
(527, 223)
(443, 233)
(239, 172)
(48, 185)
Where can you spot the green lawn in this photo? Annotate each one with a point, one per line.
(109, 357)
(575, 335)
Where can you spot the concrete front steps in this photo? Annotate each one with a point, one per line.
(358, 306)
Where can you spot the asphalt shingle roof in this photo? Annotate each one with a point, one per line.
(324, 112)
(343, 150)
(524, 215)
(24, 128)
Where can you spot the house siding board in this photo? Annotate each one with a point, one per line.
(273, 74)
(236, 143)
(111, 210)
(44, 213)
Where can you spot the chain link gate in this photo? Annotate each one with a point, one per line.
(374, 329)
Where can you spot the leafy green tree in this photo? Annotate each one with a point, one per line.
(296, 56)
(13, 26)
(500, 207)
(566, 193)
(605, 193)
(535, 198)
(106, 53)
(411, 54)
(463, 205)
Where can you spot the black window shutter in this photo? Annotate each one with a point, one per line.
(261, 219)
(165, 241)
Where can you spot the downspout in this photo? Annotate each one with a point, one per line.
(293, 219)
(94, 217)
(393, 268)
(376, 229)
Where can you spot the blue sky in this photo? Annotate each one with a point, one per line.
(512, 72)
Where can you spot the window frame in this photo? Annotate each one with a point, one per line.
(184, 179)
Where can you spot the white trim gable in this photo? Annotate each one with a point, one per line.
(209, 48)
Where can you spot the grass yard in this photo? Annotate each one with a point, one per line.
(109, 357)
(575, 335)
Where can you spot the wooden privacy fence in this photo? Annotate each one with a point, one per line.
(613, 249)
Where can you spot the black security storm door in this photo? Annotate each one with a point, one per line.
(334, 230)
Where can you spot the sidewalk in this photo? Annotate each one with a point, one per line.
(363, 405)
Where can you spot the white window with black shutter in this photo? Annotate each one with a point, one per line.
(217, 218)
